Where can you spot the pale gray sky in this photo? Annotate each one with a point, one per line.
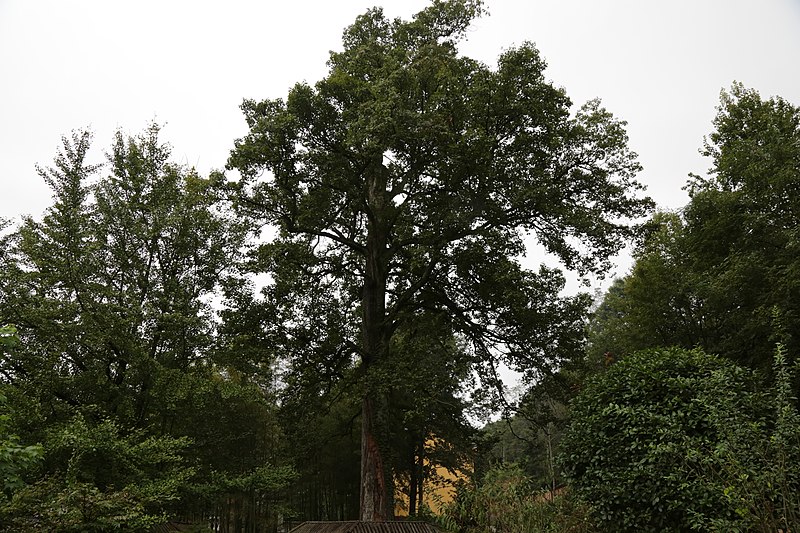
(67, 64)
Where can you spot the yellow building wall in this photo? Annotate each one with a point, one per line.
(436, 492)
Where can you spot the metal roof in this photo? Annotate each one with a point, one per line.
(365, 527)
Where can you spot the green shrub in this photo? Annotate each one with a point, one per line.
(113, 481)
(757, 464)
(641, 444)
(15, 457)
(505, 502)
(676, 440)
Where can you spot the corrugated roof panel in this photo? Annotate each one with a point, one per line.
(365, 527)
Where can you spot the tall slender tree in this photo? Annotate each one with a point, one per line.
(404, 182)
(122, 372)
(723, 273)
(110, 289)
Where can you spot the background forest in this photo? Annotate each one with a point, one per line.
(317, 330)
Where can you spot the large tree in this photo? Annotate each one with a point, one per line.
(111, 292)
(405, 182)
(110, 289)
(742, 226)
(723, 273)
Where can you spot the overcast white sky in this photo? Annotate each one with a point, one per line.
(67, 64)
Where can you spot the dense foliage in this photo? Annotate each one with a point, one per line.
(402, 185)
(720, 274)
(15, 457)
(505, 501)
(145, 379)
(634, 428)
(676, 440)
(119, 369)
(714, 274)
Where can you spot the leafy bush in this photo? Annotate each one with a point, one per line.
(505, 502)
(637, 446)
(673, 440)
(757, 465)
(113, 480)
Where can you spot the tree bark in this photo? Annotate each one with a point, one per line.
(420, 471)
(377, 498)
(412, 483)
(375, 505)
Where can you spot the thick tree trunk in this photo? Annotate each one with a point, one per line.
(375, 505)
(377, 498)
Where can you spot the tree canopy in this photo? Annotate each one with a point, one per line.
(404, 182)
(121, 372)
(721, 273)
